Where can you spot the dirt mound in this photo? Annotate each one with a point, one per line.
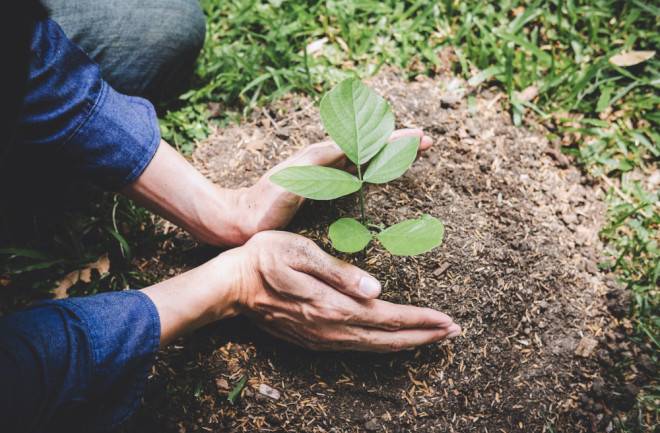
(517, 270)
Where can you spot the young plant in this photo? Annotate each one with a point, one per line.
(361, 122)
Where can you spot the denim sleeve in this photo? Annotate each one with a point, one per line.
(101, 134)
(76, 365)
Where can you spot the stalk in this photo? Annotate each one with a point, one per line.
(363, 219)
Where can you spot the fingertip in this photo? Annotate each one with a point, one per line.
(369, 287)
(425, 143)
(454, 331)
(441, 319)
(406, 132)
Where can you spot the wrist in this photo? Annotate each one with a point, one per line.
(247, 212)
(234, 270)
(203, 295)
(225, 219)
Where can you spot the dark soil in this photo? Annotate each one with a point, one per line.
(517, 270)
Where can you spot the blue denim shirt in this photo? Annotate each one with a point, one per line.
(76, 365)
(79, 364)
(103, 135)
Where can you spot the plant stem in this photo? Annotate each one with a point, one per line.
(362, 206)
(363, 219)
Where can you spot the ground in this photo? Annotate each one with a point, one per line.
(518, 270)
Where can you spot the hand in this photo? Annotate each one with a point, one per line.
(295, 291)
(171, 187)
(268, 206)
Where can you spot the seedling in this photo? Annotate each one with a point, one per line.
(361, 122)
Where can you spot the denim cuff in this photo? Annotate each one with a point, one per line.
(72, 118)
(124, 336)
(117, 141)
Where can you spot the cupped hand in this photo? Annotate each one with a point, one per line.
(295, 291)
(269, 206)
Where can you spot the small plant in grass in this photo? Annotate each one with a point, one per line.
(361, 122)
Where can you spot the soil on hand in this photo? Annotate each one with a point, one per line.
(517, 271)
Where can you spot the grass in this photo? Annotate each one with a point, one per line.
(39, 247)
(605, 116)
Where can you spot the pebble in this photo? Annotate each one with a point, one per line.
(269, 391)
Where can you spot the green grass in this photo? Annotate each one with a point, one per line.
(607, 117)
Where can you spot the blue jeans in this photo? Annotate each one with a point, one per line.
(144, 47)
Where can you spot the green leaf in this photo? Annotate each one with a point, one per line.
(315, 182)
(123, 243)
(348, 235)
(357, 119)
(393, 160)
(233, 395)
(24, 252)
(412, 237)
(604, 99)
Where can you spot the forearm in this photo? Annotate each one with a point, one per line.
(173, 188)
(200, 296)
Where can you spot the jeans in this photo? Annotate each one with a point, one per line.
(144, 47)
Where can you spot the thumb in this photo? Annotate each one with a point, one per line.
(342, 276)
(325, 153)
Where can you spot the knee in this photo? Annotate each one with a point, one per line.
(174, 44)
(174, 32)
(185, 35)
(144, 47)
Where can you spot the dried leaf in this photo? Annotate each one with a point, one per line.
(585, 347)
(256, 141)
(102, 265)
(631, 58)
(222, 385)
(528, 93)
(316, 46)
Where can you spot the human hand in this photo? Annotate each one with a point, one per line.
(295, 291)
(171, 187)
(269, 206)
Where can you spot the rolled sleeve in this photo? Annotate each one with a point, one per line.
(117, 141)
(71, 113)
(79, 364)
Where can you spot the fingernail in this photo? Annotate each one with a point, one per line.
(369, 287)
(426, 142)
(453, 331)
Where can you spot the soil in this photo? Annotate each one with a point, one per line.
(517, 269)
